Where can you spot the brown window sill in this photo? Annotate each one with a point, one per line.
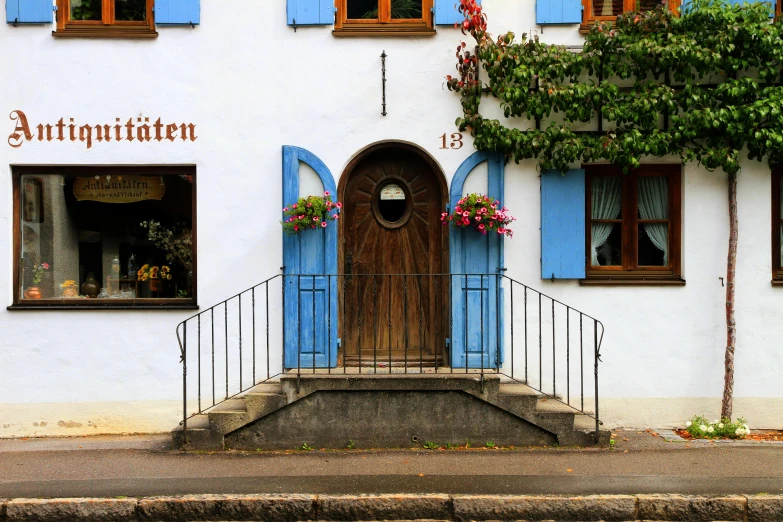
(106, 32)
(632, 281)
(105, 304)
(777, 282)
(394, 30)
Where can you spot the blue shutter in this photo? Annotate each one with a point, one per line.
(476, 268)
(563, 224)
(310, 296)
(28, 11)
(177, 12)
(558, 12)
(446, 12)
(310, 12)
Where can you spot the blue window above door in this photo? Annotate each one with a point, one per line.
(29, 11)
(558, 12)
(177, 12)
(447, 12)
(310, 12)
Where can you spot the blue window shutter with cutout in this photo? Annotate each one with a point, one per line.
(177, 12)
(310, 257)
(563, 224)
(29, 11)
(558, 12)
(446, 12)
(476, 295)
(310, 12)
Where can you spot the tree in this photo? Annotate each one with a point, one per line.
(714, 72)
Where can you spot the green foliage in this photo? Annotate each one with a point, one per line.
(177, 243)
(700, 428)
(431, 445)
(305, 447)
(86, 10)
(714, 72)
(450, 446)
(489, 445)
(351, 444)
(399, 9)
(310, 213)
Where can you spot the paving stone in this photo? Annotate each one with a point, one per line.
(690, 508)
(383, 507)
(594, 507)
(3, 503)
(228, 507)
(70, 509)
(764, 508)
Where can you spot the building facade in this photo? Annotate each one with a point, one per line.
(146, 135)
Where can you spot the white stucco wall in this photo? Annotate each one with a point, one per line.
(251, 84)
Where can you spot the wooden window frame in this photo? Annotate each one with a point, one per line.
(385, 25)
(107, 27)
(628, 6)
(777, 221)
(631, 272)
(188, 303)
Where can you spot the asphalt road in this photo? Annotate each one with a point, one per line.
(147, 466)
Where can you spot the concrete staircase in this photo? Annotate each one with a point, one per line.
(550, 419)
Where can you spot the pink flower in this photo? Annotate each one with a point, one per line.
(309, 205)
(339, 205)
(312, 226)
(478, 218)
(301, 217)
(466, 222)
(501, 230)
(326, 194)
(323, 224)
(315, 218)
(46, 266)
(296, 227)
(481, 227)
(293, 206)
(458, 209)
(465, 214)
(285, 209)
(335, 216)
(443, 215)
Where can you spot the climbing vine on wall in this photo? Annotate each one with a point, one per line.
(704, 85)
(714, 73)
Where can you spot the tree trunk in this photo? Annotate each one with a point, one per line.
(731, 326)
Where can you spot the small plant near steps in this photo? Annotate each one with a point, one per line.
(305, 447)
(431, 445)
(489, 445)
(700, 428)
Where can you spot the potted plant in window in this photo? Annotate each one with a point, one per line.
(483, 213)
(154, 277)
(34, 292)
(310, 213)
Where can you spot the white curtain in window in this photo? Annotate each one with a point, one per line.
(606, 201)
(654, 204)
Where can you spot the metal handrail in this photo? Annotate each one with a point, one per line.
(483, 350)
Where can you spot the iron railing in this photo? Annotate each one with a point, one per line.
(389, 323)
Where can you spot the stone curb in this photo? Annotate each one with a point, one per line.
(746, 508)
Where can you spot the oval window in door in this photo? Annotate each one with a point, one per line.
(392, 204)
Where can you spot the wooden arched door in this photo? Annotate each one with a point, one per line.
(394, 250)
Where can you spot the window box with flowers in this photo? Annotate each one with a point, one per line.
(483, 213)
(312, 212)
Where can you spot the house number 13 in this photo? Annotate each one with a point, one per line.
(454, 143)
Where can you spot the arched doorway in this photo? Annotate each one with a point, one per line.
(393, 250)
